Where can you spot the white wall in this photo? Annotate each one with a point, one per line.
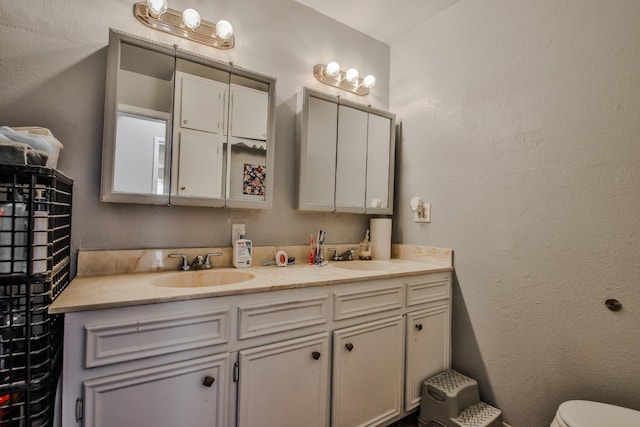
(52, 74)
(521, 126)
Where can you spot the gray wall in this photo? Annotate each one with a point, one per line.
(521, 126)
(52, 74)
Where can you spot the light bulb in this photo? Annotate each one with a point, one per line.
(369, 81)
(191, 18)
(224, 30)
(352, 75)
(332, 69)
(157, 7)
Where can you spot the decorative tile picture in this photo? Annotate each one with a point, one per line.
(254, 179)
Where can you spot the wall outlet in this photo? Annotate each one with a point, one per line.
(423, 213)
(237, 230)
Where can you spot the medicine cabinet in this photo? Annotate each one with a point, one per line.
(182, 129)
(346, 156)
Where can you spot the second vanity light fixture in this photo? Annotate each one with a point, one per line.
(349, 80)
(187, 24)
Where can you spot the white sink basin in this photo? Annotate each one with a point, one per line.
(364, 265)
(201, 278)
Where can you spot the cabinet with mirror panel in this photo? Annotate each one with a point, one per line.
(183, 129)
(346, 155)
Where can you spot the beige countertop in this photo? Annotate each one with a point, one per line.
(119, 290)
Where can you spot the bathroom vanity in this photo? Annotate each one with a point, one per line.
(342, 345)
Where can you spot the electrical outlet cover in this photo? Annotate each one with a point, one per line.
(237, 230)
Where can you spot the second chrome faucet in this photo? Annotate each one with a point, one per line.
(198, 263)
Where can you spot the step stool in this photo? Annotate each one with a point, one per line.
(451, 399)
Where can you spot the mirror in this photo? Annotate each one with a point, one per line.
(183, 129)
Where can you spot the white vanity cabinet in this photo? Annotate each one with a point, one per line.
(285, 384)
(345, 354)
(428, 332)
(191, 392)
(367, 373)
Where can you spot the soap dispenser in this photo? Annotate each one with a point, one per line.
(365, 248)
(242, 252)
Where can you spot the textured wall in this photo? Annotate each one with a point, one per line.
(521, 126)
(52, 74)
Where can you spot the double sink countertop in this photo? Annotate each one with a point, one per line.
(117, 281)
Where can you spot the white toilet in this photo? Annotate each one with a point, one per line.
(584, 413)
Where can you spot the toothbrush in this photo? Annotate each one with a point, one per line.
(311, 250)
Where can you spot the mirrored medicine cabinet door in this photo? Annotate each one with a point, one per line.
(346, 156)
(183, 129)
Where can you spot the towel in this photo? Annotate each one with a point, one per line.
(17, 153)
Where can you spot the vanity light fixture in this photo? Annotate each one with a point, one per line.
(189, 25)
(350, 80)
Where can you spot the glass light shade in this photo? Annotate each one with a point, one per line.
(352, 75)
(224, 30)
(157, 7)
(191, 18)
(332, 69)
(369, 81)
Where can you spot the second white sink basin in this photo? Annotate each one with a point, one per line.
(201, 278)
(363, 265)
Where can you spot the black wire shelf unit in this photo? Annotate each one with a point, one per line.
(35, 254)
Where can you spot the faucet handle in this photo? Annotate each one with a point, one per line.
(207, 259)
(185, 261)
(348, 254)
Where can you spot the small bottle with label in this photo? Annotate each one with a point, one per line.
(242, 252)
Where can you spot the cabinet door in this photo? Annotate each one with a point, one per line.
(201, 103)
(378, 159)
(368, 373)
(351, 166)
(170, 395)
(200, 164)
(428, 349)
(285, 384)
(318, 155)
(249, 113)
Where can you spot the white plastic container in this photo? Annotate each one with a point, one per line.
(53, 146)
(242, 253)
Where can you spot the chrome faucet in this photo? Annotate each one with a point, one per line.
(348, 254)
(199, 263)
(345, 256)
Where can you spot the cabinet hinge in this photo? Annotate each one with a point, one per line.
(79, 409)
(236, 372)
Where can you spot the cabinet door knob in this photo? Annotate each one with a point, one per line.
(349, 346)
(183, 188)
(208, 381)
(419, 326)
(186, 122)
(315, 355)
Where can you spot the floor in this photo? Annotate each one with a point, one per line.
(410, 421)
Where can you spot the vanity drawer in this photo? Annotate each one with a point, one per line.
(279, 316)
(434, 287)
(109, 343)
(362, 302)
